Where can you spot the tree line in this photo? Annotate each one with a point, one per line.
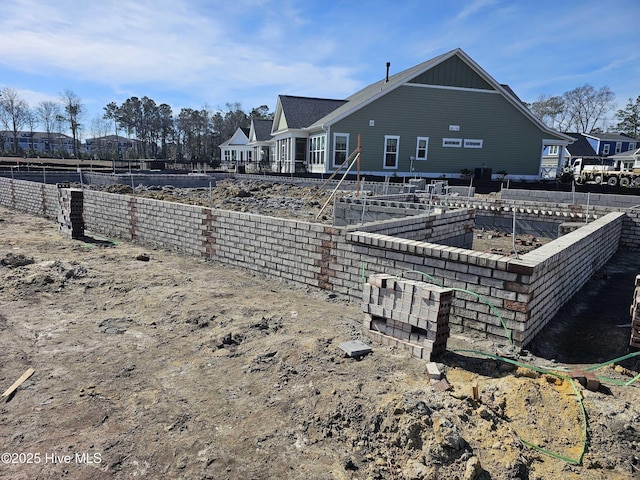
(191, 135)
(586, 109)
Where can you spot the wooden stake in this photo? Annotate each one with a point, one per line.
(474, 389)
(358, 176)
(18, 382)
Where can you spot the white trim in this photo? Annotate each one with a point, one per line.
(451, 142)
(429, 175)
(397, 152)
(321, 151)
(563, 143)
(473, 143)
(446, 87)
(333, 148)
(426, 148)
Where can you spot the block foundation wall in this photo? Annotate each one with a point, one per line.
(526, 292)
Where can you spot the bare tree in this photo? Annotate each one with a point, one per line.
(48, 111)
(100, 127)
(13, 113)
(73, 109)
(551, 110)
(586, 107)
(32, 121)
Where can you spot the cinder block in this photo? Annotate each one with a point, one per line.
(433, 371)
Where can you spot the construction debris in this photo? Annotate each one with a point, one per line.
(355, 348)
(587, 379)
(17, 383)
(433, 371)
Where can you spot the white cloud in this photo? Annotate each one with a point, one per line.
(472, 9)
(164, 44)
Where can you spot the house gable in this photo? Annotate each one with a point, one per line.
(299, 112)
(239, 137)
(452, 72)
(260, 130)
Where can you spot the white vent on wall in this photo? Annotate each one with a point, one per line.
(372, 123)
(454, 128)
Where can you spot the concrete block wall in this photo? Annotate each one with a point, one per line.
(41, 176)
(453, 228)
(494, 291)
(349, 211)
(34, 198)
(526, 292)
(559, 269)
(528, 211)
(546, 196)
(296, 252)
(175, 180)
(174, 226)
(630, 238)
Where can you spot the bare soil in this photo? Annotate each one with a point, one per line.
(153, 365)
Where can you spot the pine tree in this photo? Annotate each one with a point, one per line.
(629, 118)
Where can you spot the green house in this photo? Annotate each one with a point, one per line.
(435, 119)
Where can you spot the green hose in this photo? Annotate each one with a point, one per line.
(477, 295)
(574, 461)
(615, 360)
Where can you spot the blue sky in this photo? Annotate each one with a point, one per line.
(197, 53)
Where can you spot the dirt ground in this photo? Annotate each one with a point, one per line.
(163, 366)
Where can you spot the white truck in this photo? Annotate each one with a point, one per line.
(600, 172)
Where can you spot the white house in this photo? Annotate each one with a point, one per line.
(237, 151)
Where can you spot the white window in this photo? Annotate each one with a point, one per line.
(632, 146)
(553, 150)
(472, 143)
(391, 149)
(452, 142)
(605, 149)
(316, 150)
(422, 147)
(340, 148)
(618, 147)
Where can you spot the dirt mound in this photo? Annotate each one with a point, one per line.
(252, 196)
(13, 260)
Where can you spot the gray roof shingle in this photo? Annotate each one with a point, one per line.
(302, 112)
(581, 147)
(262, 129)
